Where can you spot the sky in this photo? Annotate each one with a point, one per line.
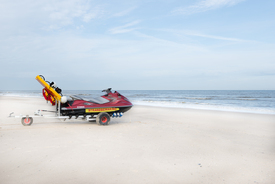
(138, 44)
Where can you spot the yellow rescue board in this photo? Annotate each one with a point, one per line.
(108, 109)
(47, 86)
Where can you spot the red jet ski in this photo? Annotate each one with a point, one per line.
(102, 108)
(109, 105)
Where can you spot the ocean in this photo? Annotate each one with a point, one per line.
(250, 101)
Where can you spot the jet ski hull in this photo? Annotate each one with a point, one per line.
(111, 103)
(93, 111)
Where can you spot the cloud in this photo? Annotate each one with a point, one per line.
(206, 5)
(192, 33)
(125, 12)
(94, 13)
(125, 28)
(49, 15)
(215, 37)
(63, 13)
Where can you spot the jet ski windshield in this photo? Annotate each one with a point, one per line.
(75, 97)
(98, 100)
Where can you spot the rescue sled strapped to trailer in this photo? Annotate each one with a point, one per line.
(100, 109)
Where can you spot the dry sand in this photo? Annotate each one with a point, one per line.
(146, 145)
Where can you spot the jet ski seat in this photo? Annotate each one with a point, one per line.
(98, 100)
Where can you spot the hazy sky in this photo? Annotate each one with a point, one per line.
(138, 44)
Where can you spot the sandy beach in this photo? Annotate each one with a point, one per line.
(146, 145)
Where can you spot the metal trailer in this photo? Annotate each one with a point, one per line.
(27, 120)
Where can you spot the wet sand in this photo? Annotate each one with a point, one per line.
(146, 145)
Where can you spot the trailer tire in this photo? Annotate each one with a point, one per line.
(27, 121)
(103, 118)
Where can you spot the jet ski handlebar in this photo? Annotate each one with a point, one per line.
(107, 90)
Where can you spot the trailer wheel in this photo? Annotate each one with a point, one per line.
(27, 121)
(103, 118)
